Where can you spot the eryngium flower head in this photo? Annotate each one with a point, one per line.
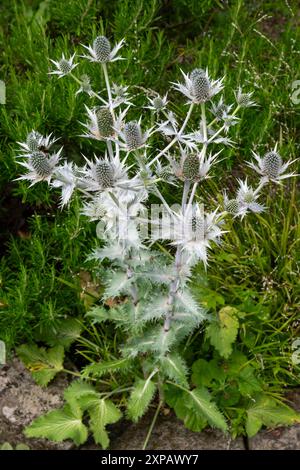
(101, 50)
(198, 87)
(104, 173)
(193, 167)
(192, 230)
(105, 122)
(244, 99)
(34, 142)
(190, 169)
(246, 198)
(40, 166)
(158, 103)
(63, 66)
(132, 137)
(271, 166)
(101, 125)
(231, 206)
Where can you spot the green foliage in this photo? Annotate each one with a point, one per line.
(68, 422)
(269, 412)
(247, 356)
(196, 408)
(59, 425)
(223, 333)
(8, 446)
(43, 364)
(140, 398)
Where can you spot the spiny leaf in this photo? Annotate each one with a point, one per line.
(101, 368)
(223, 333)
(117, 284)
(78, 390)
(140, 398)
(59, 425)
(174, 367)
(202, 404)
(43, 364)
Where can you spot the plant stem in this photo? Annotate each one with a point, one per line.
(162, 152)
(152, 425)
(104, 68)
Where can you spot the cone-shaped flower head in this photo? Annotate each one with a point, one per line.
(133, 135)
(105, 173)
(33, 140)
(105, 122)
(200, 84)
(40, 163)
(191, 166)
(232, 206)
(271, 164)
(63, 66)
(102, 48)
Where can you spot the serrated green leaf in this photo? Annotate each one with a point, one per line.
(43, 364)
(102, 412)
(179, 401)
(269, 412)
(202, 404)
(58, 425)
(140, 398)
(77, 391)
(105, 367)
(205, 372)
(223, 333)
(174, 367)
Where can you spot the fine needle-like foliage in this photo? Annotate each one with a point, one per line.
(122, 187)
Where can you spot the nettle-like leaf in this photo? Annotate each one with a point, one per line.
(140, 398)
(102, 412)
(58, 425)
(267, 411)
(99, 369)
(177, 399)
(43, 364)
(174, 367)
(195, 408)
(223, 333)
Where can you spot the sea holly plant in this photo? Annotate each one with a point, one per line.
(147, 295)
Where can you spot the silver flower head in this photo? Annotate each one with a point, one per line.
(193, 167)
(40, 166)
(101, 124)
(36, 142)
(198, 87)
(158, 103)
(132, 137)
(246, 199)
(193, 231)
(271, 166)
(63, 66)
(105, 174)
(244, 99)
(101, 50)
